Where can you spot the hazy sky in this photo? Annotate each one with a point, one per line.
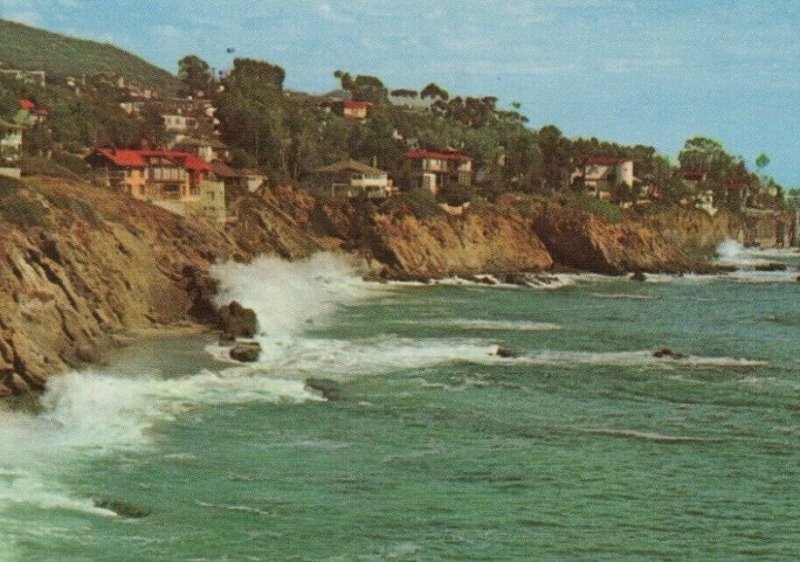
(633, 71)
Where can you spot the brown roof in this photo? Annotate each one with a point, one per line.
(222, 170)
(348, 166)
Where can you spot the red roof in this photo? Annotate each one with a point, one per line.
(416, 154)
(137, 158)
(350, 104)
(27, 105)
(693, 175)
(606, 160)
(735, 186)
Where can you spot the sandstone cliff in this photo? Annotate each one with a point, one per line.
(97, 265)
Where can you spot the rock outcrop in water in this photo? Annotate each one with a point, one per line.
(100, 266)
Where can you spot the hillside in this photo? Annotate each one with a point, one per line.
(29, 48)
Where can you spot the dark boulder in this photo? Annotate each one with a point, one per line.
(505, 352)
(328, 388)
(236, 321)
(246, 352)
(638, 276)
(667, 353)
(122, 508)
(772, 266)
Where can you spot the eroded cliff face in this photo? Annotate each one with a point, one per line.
(103, 266)
(584, 241)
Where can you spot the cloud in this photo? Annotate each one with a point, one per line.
(326, 11)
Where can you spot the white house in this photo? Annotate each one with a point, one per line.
(10, 149)
(352, 178)
(599, 175)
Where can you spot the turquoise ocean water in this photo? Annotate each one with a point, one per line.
(583, 446)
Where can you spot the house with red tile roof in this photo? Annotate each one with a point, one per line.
(178, 181)
(434, 170)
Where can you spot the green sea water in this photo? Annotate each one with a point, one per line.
(581, 447)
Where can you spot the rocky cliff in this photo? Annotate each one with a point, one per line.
(82, 267)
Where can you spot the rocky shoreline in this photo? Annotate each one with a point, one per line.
(105, 268)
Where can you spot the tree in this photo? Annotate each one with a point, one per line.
(250, 74)
(762, 161)
(555, 156)
(195, 74)
(435, 92)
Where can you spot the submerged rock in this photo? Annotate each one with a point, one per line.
(122, 508)
(638, 276)
(236, 321)
(246, 352)
(505, 352)
(328, 388)
(772, 266)
(667, 353)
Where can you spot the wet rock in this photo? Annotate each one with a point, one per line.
(236, 321)
(246, 352)
(516, 279)
(667, 353)
(505, 352)
(638, 276)
(122, 508)
(329, 389)
(772, 266)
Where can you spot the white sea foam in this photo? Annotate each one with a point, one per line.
(624, 359)
(487, 325)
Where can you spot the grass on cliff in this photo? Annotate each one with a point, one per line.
(603, 209)
(23, 211)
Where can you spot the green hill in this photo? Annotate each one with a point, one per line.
(60, 56)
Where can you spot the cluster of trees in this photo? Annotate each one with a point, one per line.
(289, 134)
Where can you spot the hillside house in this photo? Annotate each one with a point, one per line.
(10, 149)
(349, 109)
(37, 77)
(600, 174)
(178, 123)
(206, 149)
(178, 181)
(351, 178)
(29, 114)
(432, 170)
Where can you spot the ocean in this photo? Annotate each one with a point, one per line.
(579, 444)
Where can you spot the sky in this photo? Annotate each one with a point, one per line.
(654, 72)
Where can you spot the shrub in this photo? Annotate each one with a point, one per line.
(74, 206)
(422, 203)
(23, 212)
(8, 186)
(602, 209)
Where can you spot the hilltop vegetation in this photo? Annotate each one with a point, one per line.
(288, 135)
(28, 48)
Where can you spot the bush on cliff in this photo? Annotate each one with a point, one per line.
(422, 203)
(23, 212)
(8, 186)
(603, 209)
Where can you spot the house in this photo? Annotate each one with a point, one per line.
(38, 77)
(178, 123)
(178, 181)
(432, 170)
(29, 114)
(600, 174)
(352, 179)
(351, 109)
(207, 149)
(10, 149)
